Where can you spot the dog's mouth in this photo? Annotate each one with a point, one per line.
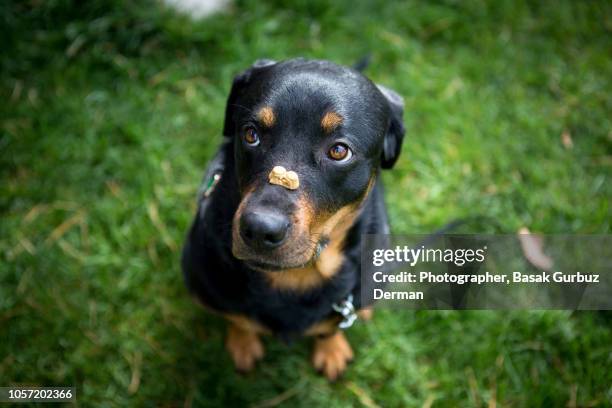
(299, 248)
(267, 266)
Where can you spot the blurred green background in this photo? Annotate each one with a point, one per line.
(110, 111)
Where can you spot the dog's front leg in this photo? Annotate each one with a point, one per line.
(331, 355)
(244, 346)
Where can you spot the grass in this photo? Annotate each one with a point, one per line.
(110, 112)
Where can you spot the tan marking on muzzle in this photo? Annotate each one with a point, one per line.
(334, 226)
(281, 177)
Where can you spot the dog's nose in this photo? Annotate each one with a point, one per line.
(263, 229)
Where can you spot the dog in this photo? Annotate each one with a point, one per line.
(275, 244)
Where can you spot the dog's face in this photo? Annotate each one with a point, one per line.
(327, 123)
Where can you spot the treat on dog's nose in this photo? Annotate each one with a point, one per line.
(281, 177)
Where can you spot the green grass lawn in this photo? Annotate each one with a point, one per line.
(110, 112)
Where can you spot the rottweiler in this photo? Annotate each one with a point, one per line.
(275, 245)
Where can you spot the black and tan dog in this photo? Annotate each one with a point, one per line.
(275, 255)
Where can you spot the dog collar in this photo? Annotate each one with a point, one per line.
(347, 310)
(210, 184)
(212, 177)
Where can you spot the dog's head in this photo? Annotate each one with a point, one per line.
(331, 126)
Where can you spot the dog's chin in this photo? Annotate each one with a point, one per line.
(265, 265)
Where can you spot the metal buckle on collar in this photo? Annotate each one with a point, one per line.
(347, 310)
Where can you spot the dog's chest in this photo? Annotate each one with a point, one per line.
(292, 313)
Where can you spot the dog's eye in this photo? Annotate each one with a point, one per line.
(340, 152)
(250, 136)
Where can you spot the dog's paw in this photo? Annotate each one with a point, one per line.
(244, 347)
(331, 355)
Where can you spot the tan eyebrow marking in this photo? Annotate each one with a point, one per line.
(330, 121)
(266, 116)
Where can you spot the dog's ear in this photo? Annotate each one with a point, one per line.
(240, 82)
(392, 144)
